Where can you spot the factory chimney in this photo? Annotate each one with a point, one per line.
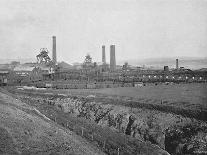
(54, 57)
(103, 55)
(177, 64)
(112, 58)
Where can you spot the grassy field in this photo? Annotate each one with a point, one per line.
(196, 93)
(186, 99)
(188, 94)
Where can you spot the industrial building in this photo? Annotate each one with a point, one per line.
(177, 67)
(166, 68)
(103, 55)
(54, 56)
(112, 58)
(89, 74)
(4, 77)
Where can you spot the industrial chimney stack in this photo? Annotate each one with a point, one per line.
(103, 55)
(54, 57)
(112, 58)
(177, 67)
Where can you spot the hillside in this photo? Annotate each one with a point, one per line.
(24, 130)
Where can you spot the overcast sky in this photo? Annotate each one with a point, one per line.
(139, 28)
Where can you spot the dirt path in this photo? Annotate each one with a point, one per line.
(24, 131)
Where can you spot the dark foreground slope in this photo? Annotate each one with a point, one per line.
(24, 130)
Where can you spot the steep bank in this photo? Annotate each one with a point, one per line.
(25, 131)
(175, 133)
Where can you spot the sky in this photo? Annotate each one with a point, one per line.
(139, 29)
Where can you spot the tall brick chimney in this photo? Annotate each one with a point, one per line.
(54, 57)
(112, 58)
(103, 55)
(177, 67)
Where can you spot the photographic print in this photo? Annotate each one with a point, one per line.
(103, 77)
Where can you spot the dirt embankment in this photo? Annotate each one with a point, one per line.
(174, 133)
(24, 130)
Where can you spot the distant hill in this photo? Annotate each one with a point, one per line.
(23, 60)
(64, 65)
(187, 62)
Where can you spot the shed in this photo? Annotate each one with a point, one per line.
(138, 84)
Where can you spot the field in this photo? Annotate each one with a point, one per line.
(195, 93)
(170, 116)
(185, 99)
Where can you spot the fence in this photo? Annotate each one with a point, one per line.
(110, 142)
(106, 144)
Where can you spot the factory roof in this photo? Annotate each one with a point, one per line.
(4, 71)
(23, 68)
(5, 67)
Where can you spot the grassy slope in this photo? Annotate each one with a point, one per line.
(24, 132)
